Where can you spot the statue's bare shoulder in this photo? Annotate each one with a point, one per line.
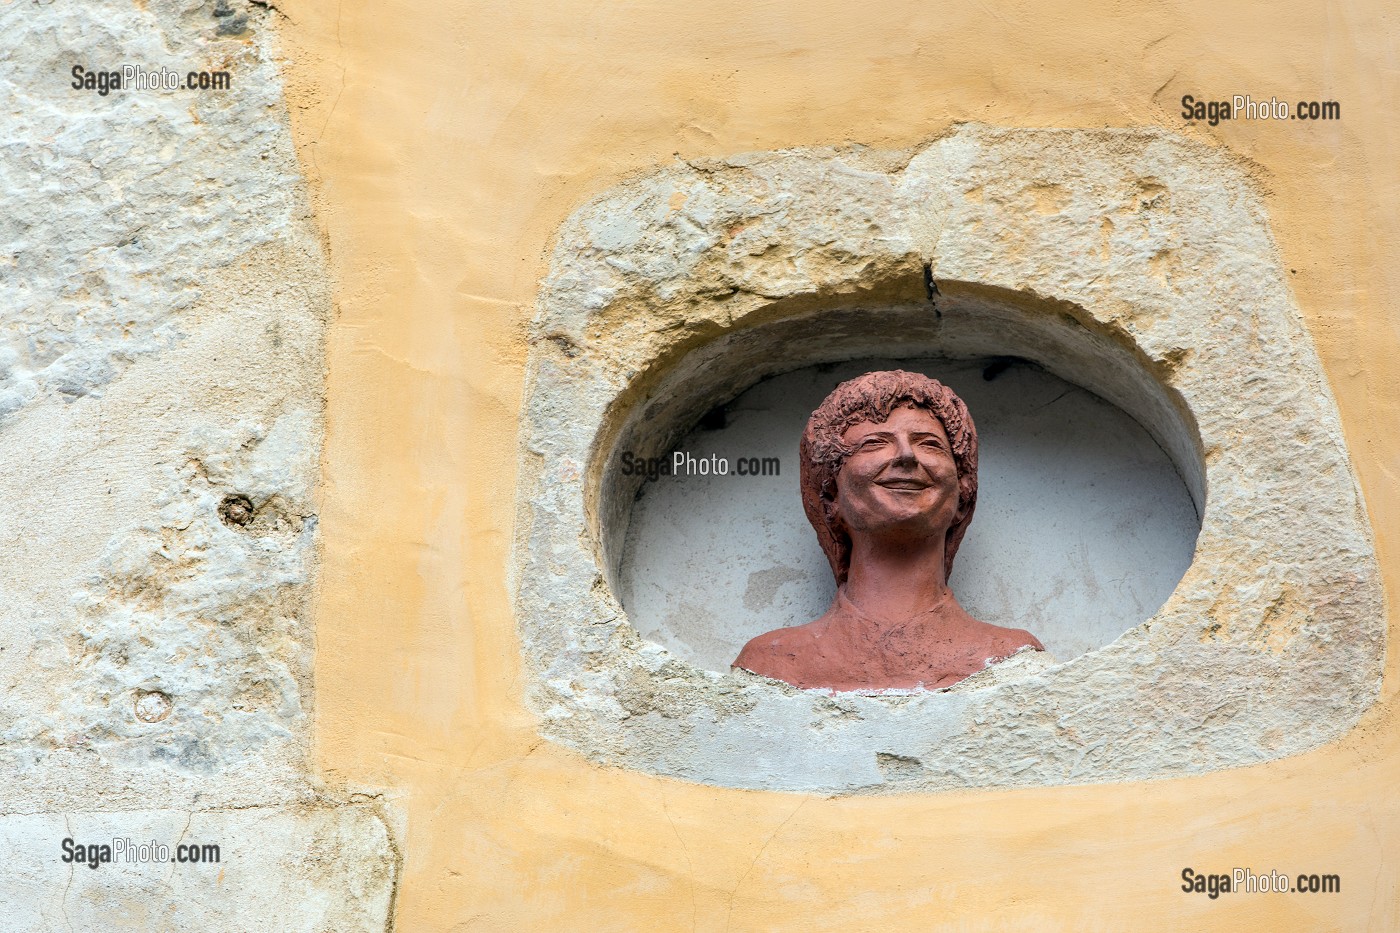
(1003, 642)
(764, 654)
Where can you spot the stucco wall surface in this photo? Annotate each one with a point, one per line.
(163, 304)
(446, 144)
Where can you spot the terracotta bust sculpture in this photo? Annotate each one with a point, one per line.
(889, 481)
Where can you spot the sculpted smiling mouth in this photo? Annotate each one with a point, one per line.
(903, 482)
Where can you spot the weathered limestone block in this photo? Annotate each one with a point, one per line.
(313, 869)
(164, 322)
(1132, 263)
(163, 301)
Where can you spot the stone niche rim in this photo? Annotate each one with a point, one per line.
(1271, 644)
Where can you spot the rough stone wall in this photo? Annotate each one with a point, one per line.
(163, 302)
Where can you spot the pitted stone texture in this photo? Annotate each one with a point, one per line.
(164, 315)
(117, 204)
(164, 305)
(1132, 263)
(124, 580)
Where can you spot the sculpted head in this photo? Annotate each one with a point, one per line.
(892, 452)
(889, 482)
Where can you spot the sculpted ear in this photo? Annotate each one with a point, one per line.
(965, 501)
(833, 518)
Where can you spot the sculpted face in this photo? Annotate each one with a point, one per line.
(900, 479)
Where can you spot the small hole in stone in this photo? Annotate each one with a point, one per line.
(152, 705)
(236, 510)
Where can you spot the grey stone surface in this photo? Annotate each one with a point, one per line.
(1083, 527)
(1131, 263)
(163, 301)
(315, 869)
(115, 204)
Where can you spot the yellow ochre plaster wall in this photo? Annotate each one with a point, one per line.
(446, 142)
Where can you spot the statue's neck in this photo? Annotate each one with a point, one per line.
(894, 580)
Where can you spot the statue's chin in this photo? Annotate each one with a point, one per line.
(908, 531)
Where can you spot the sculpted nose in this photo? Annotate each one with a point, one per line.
(904, 451)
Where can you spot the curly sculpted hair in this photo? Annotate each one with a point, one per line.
(871, 398)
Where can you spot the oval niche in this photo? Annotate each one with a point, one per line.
(1083, 526)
